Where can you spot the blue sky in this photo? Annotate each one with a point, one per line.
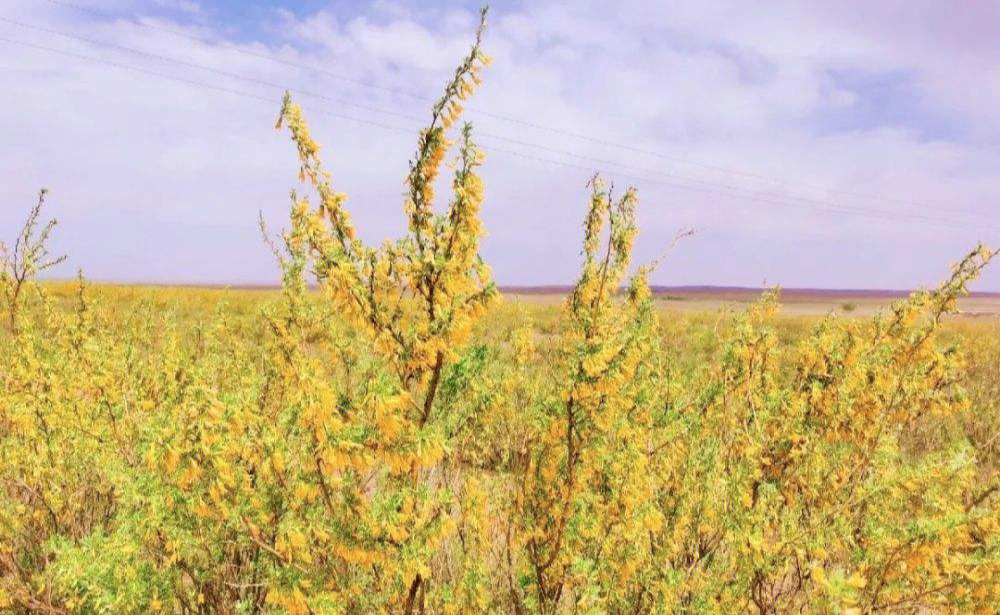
(821, 144)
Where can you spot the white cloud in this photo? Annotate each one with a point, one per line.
(185, 6)
(160, 179)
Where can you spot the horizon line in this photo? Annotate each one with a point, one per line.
(559, 289)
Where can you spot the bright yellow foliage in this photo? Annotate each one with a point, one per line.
(399, 441)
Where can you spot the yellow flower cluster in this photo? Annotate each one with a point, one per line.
(399, 442)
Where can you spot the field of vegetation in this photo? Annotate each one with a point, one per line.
(387, 434)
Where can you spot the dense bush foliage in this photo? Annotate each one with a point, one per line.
(401, 441)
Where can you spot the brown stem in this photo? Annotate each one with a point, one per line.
(432, 388)
(411, 595)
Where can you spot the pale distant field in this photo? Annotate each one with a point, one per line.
(793, 303)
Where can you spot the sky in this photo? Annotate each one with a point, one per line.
(845, 144)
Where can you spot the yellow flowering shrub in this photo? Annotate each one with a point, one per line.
(385, 436)
(27, 258)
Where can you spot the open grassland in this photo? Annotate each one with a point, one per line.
(815, 302)
(684, 315)
(142, 433)
(798, 302)
(694, 326)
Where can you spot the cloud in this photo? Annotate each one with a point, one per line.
(185, 6)
(161, 179)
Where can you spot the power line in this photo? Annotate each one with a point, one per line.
(739, 190)
(206, 68)
(248, 52)
(196, 83)
(506, 118)
(823, 205)
(764, 198)
(337, 100)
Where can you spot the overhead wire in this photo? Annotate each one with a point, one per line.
(720, 189)
(520, 121)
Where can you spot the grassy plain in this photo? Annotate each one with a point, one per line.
(695, 323)
(166, 374)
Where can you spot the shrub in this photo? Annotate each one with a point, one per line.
(29, 257)
(399, 442)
